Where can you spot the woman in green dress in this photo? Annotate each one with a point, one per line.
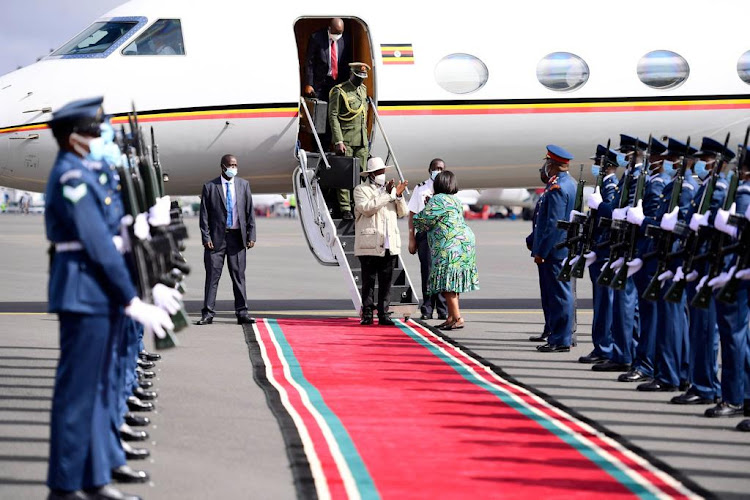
(452, 247)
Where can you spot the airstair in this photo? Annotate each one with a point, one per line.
(331, 240)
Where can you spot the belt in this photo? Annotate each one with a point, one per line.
(230, 230)
(68, 246)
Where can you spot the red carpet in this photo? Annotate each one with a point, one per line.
(399, 412)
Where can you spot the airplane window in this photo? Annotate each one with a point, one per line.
(663, 69)
(562, 71)
(743, 67)
(163, 38)
(461, 73)
(100, 39)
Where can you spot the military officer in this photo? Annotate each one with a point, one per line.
(530, 245)
(347, 114)
(556, 204)
(601, 335)
(642, 368)
(90, 288)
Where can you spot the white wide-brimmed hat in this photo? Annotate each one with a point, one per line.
(374, 164)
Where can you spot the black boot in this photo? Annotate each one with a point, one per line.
(385, 320)
(366, 318)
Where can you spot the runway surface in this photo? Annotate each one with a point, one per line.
(214, 434)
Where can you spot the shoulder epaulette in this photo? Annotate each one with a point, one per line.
(688, 185)
(554, 186)
(721, 183)
(745, 188)
(422, 183)
(658, 179)
(69, 175)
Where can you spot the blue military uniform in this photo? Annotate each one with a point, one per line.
(557, 296)
(89, 284)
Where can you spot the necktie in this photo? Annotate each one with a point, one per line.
(334, 60)
(230, 206)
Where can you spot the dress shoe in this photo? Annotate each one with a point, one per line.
(593, 358)
(539, 338)
(67, 495)
(149, 356)
(143, 394)
(425, 317)
(145, 384)
(691, 398)
(135, 404)
(245, 320)
(611, 366)
(385, 321)
(109, 492)
(553, 348)
(127, 433)
(134, 420)
(205, 320)
(366, 318)
(144, 373)
(127, 474)
(634, 375)
(724, 409)
(442, 316)
(134, 453)
(684, 385)
(656, 386)
(744, 426)
(146, 365)
(347, 215)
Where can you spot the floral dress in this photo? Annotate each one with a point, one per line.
(452, 245)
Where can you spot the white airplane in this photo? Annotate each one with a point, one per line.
(483, 85)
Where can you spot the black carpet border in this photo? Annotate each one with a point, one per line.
(659, 464)
(304, 482)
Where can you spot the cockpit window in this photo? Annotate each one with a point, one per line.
(101, 38)
(163, 38)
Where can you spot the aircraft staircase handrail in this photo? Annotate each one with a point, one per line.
(391, 153)
(310, 180)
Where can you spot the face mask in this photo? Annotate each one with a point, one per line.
(230, 172)
(107, 133)
(700, 169)
(97, 147)
(595, 169)
(669, 167)
(336, 37)
(621, 160)
(357, 80)
(379, 179)
(112, 154)
(433, 174)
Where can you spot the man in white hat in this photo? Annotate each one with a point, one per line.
(377, 241)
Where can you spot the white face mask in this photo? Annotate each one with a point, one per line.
(434, 173)
(230, 172)
(336, 37)
(379, 180)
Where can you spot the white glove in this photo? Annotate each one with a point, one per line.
(620, 213)
(166, 298)
(590, 258)
(743, 274)
(696, 221)
(616, 265)
(635, 214)
(140, 228)
(595, 199)
(150, 317)
(669, 221)
(634, 266)
(666, 275)
(119, 243)
(721, 280)
(574, 260)
(722, 221)
(573, 214)
(125, 222)
(158, 215)
(701, 283)
(680, 275)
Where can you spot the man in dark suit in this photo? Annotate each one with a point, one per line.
(227, 225)
(329, 52)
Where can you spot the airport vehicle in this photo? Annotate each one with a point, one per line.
(485, 92)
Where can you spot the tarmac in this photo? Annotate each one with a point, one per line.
(213, 434)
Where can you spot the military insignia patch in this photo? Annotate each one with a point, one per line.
(74, 194)
(397, 53)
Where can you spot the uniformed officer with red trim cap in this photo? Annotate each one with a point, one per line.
(555, 204)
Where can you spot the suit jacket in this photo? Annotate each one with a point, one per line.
(316, 60)
(213, 216)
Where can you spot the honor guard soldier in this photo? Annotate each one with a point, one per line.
(556, 204)
(347, 114)
(89, 288)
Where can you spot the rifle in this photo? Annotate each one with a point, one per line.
(716, 239)
(664, 239)
(587, 232)
(573, 229)
(631, 230)
(616, 235)
(691, 242)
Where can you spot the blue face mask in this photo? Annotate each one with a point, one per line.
(700, 169)
(97, 147)
(230, 172)
(595, 169)
(107, 132)
(669, 167)
(433, 174)
(112, 154)
(621, 160)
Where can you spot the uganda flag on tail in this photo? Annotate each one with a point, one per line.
(397, 53)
